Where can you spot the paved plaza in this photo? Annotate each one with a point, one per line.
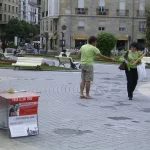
(108, 122)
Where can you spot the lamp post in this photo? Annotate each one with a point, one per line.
(64, 27)
(46, 37)
(62, 44)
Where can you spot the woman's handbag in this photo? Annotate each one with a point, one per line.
(123, 65)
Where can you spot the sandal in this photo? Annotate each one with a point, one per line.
(82, 96)
(88, 97)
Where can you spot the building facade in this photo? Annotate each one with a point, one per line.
(69, 23)
(28, 11)
(8, 10)
(39, 10)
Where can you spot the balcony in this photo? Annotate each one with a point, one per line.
(102, 11)
(122, 12)
(140, 13)
(81, 11)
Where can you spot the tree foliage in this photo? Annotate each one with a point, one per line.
(147, 14)
(106, 42)
(21, 28)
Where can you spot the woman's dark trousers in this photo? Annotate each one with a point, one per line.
(132, 77)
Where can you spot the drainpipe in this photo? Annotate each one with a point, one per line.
(70, 23)
(132, 37)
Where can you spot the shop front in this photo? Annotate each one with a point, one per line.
(122, 43)
(80, 40)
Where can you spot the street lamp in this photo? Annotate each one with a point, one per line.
(62, 40)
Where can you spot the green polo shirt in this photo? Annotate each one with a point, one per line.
(88, 52)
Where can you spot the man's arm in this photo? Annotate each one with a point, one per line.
(106, 58)
(79, 54)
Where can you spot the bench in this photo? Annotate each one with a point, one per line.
(3, 57)
(28, 61)
(63, 60)
(146, 60)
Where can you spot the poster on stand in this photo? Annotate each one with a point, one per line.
(23, 116)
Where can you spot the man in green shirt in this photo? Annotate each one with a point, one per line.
(87, 53)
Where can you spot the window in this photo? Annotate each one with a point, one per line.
(43, 25)
(0, 4)
(8, 17)
(1, 17)
(141, 7)
(5, 7)
(122, 7)
(80, 3)
(13, 9)
(46, 25)
(16, 9)
(51, 26)
(102, 5)
(102, 25)
(5, 18)
(122, 26)
(9, 8)
(81, 25)
(142, 26)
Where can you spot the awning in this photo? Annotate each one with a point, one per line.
(80, 37)
(122, 38)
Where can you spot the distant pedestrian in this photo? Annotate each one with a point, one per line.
(87, 53)
(3, 47)
(38, 48)
(146, 51)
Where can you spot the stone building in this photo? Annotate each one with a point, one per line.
(28, 11)
(8, 10)
(69, 23)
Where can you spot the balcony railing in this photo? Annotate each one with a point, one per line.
(81, 11)
(102, 12)
(140, 13)
(122, 12)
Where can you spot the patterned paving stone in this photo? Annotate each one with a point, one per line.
(107, 122)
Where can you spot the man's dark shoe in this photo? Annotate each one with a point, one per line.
(130, 98)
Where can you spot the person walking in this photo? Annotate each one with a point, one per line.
(131, 70)
(3, 47)
(87, 53)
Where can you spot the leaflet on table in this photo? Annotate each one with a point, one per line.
(23, 125)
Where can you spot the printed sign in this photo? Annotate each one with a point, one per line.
(23, 116)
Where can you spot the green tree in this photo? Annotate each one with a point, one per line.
(26, 29)
(21, 29)
(147, 14)
(106, 42)
(14, 28)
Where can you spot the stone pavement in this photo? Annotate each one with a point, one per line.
(108, 122)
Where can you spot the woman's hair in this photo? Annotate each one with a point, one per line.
(134, 44)
(92, 39)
